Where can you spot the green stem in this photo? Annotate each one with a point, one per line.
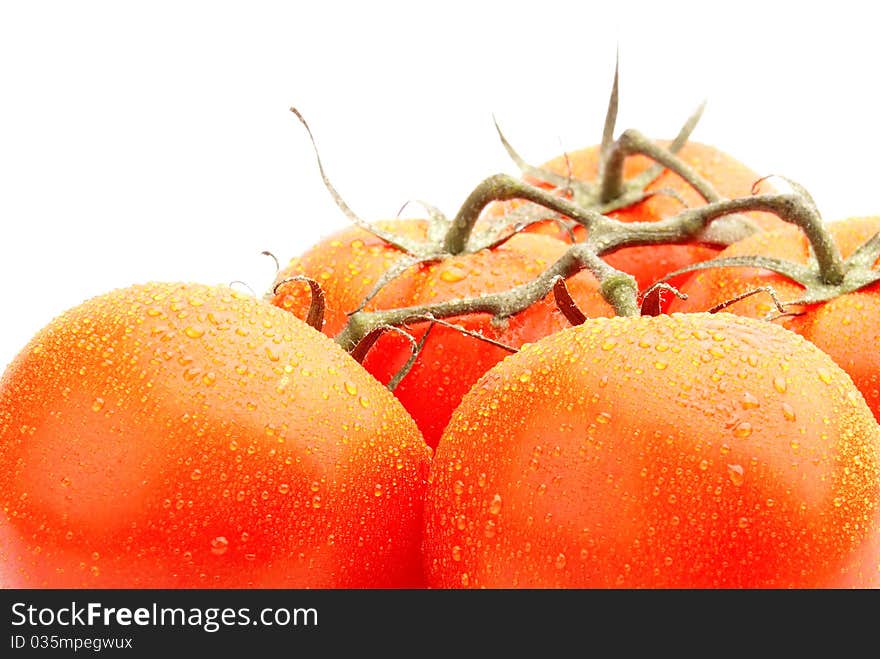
(502, 187)
(792, 208)
(618, 288)
(632, 142)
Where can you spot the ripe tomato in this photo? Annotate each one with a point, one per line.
(650, 263)
(846, 327)
(179, 435)
(347, 265)
(676, 451)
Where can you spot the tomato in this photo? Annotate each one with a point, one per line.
(677, 451)
(178, 435)
(846, 327)
(348, 264)
(650, 263)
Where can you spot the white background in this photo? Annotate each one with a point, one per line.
(152, 140)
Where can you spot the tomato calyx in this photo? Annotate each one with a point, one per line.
(825, 276)
(612, 191)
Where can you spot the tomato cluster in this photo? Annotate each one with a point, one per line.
(636, 366)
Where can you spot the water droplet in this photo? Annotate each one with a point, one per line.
(65, 482)
(660, 365)
(465, 579)
(456, 553)
(97, 404)
(560, 562)
(95, 571)
(825, 376)
(365, 402)
(495, 505)
(704, 465)
(194, 332)
(525, 377)
(736, 474)
(603, 417)
(453, 274)
(315, 486)
(725, 449)
(743, 522)
(780, 384)
(219, 545)
(190, 374)
(788, 412)
(490, 529)
(377, 491)
(610, 344)
(458, 487)
(742, 429)
(196, 474)
(316, 501)
(350, 387)
(283, 488)
(749, 401)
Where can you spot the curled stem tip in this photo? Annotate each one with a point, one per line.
(566, 304)
(315, 316)
(274, 258)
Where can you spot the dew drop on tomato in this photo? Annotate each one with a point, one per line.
(736, 473)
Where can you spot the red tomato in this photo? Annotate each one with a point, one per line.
(179, 435)
(846, 327)
(349, 263)
(650, 263)
(676, 451)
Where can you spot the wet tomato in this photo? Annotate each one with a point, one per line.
(847, 327)
(178, 435)
(676, 451)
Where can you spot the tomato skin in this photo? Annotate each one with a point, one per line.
(178, 435)
(847, 327)
(684, 451)
(348, 263)
(650, 263)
